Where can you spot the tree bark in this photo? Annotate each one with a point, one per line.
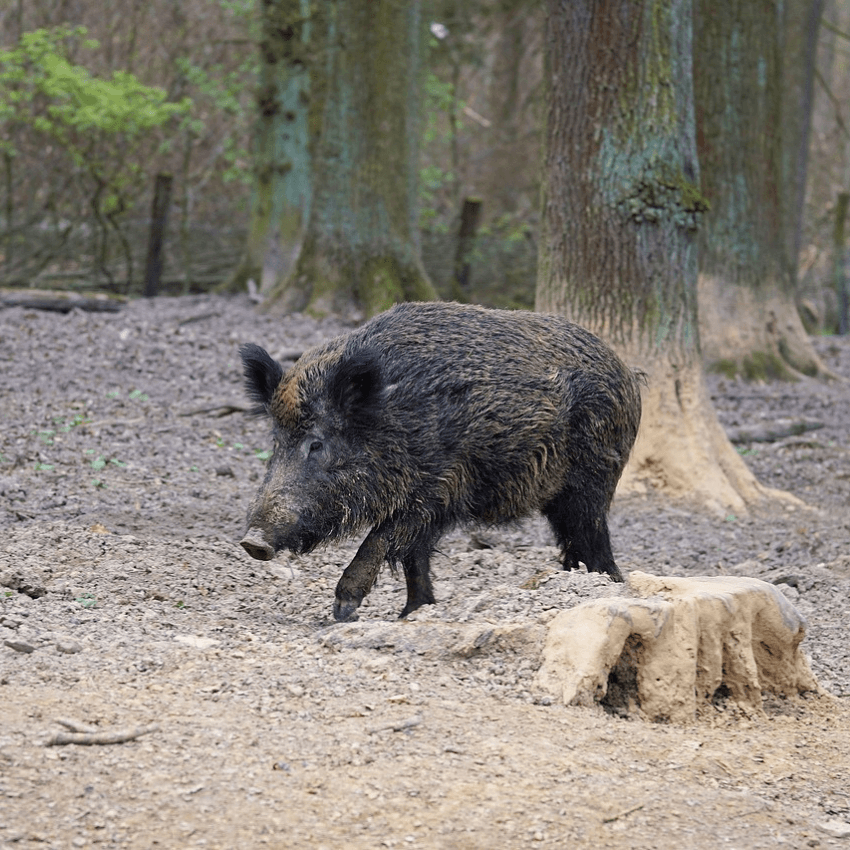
(749, 322)
(621, 208)
(360, 252)
(800, 29)
(286, 117)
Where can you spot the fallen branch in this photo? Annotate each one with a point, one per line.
(76, 726)
(622, 814)
(59, 301)
(770, 433)
(201, 317)
(114, 736)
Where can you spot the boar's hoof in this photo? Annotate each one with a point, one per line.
(256, 547)
(345, 610)
(614, 573)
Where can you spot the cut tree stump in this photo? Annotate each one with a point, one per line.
(675, 648)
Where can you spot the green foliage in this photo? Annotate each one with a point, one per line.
(100, 125)
(220, 91)
(42, 88)
(439, 100)
(435, 181)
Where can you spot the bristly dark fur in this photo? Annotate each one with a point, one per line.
(431, 416)
(262, 376)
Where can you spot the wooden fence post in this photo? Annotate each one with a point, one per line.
(840, 270)
(470, 215)
(159, 220)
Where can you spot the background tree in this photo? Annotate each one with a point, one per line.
(800, 28)
(360, 251)
(621, 210)
(282, 186)
(748, 316)
(829, 176)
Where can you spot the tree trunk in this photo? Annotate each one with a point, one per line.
(282, 192)
(800, 28)
(513, 78)
(621, 206)
(360, 252)
(749, 322)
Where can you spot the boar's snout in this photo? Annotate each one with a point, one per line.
(256, 546)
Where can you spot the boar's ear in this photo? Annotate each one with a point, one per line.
(355, 388)
(262, 375)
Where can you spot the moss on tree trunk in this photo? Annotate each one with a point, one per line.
(621, 212)
(282, 190)
(749, 322)
(360, 252)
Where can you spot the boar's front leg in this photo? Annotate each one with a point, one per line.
(359, 576)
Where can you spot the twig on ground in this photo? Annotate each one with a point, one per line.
(103, 423)
(77, 726)
(287, 355)
(201, 317)
(399, 726)
(225, 408)
(107, 736)
(622, 814)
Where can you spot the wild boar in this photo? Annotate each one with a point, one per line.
(434, 415)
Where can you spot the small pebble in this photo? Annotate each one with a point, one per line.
(836, 828)
(68, 646)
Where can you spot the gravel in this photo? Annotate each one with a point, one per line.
(127, 461)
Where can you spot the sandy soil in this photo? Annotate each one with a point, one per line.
(126, 466)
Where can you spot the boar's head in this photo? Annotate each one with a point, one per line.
(324, 413)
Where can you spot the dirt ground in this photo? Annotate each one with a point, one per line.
(126, 466)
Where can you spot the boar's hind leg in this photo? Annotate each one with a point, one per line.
(581, 530)
(417, 572)
(359, 576)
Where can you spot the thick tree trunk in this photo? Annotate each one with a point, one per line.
(360, 252)
(620, 215)
(280, 203)
(749, 322)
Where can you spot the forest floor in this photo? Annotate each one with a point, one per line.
(126, 468)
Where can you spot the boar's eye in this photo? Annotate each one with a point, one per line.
(316, 446)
